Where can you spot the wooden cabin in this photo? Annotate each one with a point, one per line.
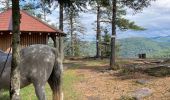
(32, 30)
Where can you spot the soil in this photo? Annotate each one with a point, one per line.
(98, 83)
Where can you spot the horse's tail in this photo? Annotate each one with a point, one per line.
(55, 78)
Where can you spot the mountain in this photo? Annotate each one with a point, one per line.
(153, 47)
(131, 47)
(161, 39)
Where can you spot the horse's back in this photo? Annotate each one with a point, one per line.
(37, 63)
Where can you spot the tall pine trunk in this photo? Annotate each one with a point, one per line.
(113, 37)
(60, 48)
(15, 72)
(98, 34)
(61, 39)
(71, 33)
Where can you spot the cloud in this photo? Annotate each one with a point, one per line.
(155, 19)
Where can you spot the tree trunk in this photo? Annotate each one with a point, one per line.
(61, 39)
(72, 37)
(60, 48)
(15, 72)
(113, 37)
(98, 34)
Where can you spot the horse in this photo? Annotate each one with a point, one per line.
(39, 64)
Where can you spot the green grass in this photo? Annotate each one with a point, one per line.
(70, 79)
(70, 93)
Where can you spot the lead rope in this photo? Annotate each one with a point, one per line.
(5, 62)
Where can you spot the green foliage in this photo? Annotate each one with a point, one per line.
(88, 48)
(5, 4)
(121, 22)
(102, 3)
(83, 48)
(105, 45)
(76, 4)
(125, 24)
(74, 28)
(131, 47)
(136, 5)
(163, 53)
(37, 8)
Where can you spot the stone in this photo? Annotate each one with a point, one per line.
(141, 93)
(142, 81)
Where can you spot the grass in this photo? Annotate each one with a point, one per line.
(69, 80)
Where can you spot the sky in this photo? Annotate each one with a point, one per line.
(155, 18)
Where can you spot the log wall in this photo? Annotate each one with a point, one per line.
(26, 40)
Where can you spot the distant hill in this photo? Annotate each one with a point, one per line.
(161, 39)
(131, 47)
(153, 47)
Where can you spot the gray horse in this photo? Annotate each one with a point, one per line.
(39, 64)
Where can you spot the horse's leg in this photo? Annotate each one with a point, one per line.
(40, 91)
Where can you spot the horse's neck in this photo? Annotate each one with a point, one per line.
(2, 53)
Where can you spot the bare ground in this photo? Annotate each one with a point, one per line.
(101, 84)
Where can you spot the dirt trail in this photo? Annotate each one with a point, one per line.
(99, 84)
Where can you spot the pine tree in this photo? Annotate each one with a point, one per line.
(15, 72)
(75, 28)
(133, 4)
(97, 5)
(5, 4)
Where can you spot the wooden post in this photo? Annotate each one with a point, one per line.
(15, 72)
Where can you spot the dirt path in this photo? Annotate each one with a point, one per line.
(99, 84)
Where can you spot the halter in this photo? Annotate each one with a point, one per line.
(5, 63)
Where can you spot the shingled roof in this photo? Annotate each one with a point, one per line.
(29, 23)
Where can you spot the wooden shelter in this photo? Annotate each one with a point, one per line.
(32, 30)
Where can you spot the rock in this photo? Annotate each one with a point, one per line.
(141, 93)
(142, 81)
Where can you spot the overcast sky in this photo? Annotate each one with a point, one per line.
(155, 18)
